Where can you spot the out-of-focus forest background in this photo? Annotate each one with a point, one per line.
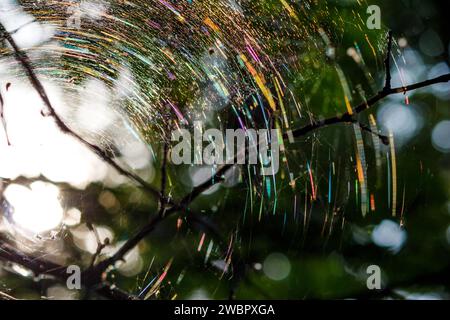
(134, 70)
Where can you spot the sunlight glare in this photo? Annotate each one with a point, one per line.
(36, 209)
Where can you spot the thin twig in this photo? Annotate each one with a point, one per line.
(164, 175)
(3, 120)
(387, 63)
(5, 296)
(347, 118)
(100, 244)
(198, 190)
(93, 274)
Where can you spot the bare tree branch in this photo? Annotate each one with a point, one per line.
(5, 296)
(164, 175)
(213, 180)
(92, 277)
(100, 245)
(347, 118)
(387, 63)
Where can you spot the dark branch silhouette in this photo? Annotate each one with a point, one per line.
(5, 296)
(387, 63)
(348, 118)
